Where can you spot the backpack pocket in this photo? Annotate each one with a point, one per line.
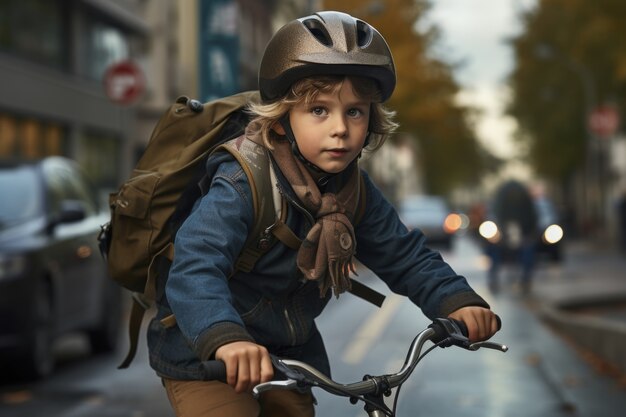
(133, 229)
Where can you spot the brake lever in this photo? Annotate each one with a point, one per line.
(488, 345)
(295, 380)
(448, 332)
(288, 384)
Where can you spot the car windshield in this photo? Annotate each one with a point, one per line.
(21, 197)
(546, 212)
(417, 209)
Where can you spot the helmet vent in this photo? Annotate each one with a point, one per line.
(318, 31)
(364, 34)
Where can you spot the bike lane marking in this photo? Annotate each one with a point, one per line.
(371, 329)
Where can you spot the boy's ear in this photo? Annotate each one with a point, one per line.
(278, 128)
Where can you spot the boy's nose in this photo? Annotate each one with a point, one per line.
(340, 127)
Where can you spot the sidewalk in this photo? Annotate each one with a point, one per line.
(585, 299)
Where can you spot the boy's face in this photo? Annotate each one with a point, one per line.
(331, 130)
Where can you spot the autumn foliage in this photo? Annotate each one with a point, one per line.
(424, 98)
(570, 57)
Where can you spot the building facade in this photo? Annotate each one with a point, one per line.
(53, 55)
(205, 49)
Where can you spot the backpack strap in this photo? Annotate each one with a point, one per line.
(138, 309)
(360, 210)
(255, 162)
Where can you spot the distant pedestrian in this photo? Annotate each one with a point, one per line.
(514, 212)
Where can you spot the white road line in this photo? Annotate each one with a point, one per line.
(371, 329)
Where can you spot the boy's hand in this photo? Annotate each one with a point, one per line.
(247, 365)
(481, 322)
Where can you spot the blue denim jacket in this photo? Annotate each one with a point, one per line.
(273, 305)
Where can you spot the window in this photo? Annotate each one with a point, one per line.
(28, 138)
(35, 30)
(66, 183)
(22, 195)
(102, 45)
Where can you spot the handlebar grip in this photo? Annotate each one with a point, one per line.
(461, 325)
(214, 370)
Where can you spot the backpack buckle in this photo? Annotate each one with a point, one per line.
(267, 238)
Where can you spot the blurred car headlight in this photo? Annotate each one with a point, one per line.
(11, 266)
(465, 221)
(452, 223)
(553, 234)
(489, 230)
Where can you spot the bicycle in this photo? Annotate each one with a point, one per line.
(372, 390)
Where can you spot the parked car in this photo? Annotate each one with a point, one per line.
(432, 215)
(52, 278)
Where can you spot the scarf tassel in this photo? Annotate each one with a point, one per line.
(339, 272)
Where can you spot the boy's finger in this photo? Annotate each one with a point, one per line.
(267, 369)
(494, 324)
(231, 372)
(472, 327)
(486, 322)
(243, 376)
(255, 371)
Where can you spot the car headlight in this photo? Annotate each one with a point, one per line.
(489, 230)
(11, 266)
(553, 234)
(452, 223)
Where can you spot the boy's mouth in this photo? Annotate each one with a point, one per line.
(337, 151)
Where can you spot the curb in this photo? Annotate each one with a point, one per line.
(605, 338)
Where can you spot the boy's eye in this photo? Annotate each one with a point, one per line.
(318, 111)
(354, 112)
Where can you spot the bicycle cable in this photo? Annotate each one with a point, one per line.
(397, 395)
(351, 396)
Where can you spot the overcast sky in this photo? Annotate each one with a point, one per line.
(474, 33)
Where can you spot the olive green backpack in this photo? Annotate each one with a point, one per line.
(149, 207)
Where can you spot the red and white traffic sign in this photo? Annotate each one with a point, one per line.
(124, 82)
(604, 121)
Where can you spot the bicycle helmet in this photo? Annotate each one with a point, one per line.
(325, 43)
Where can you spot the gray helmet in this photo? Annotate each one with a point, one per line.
(325, 43)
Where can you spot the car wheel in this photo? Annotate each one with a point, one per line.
(104, 337)
(38, 352)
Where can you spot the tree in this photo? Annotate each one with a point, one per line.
(425, 93)
(570, 57)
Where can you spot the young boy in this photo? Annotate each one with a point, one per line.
(322, 81)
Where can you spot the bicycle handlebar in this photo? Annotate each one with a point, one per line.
(301, 376)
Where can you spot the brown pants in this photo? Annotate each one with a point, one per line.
(216, 399)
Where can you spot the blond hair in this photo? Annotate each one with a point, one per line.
(266, 115)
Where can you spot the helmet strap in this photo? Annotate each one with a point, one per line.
(284, 122)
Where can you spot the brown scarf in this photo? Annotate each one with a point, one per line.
(326, 253)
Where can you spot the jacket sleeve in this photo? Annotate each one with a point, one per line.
(401, 259)
(206, 247)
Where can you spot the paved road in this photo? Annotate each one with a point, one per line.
(540, 376)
